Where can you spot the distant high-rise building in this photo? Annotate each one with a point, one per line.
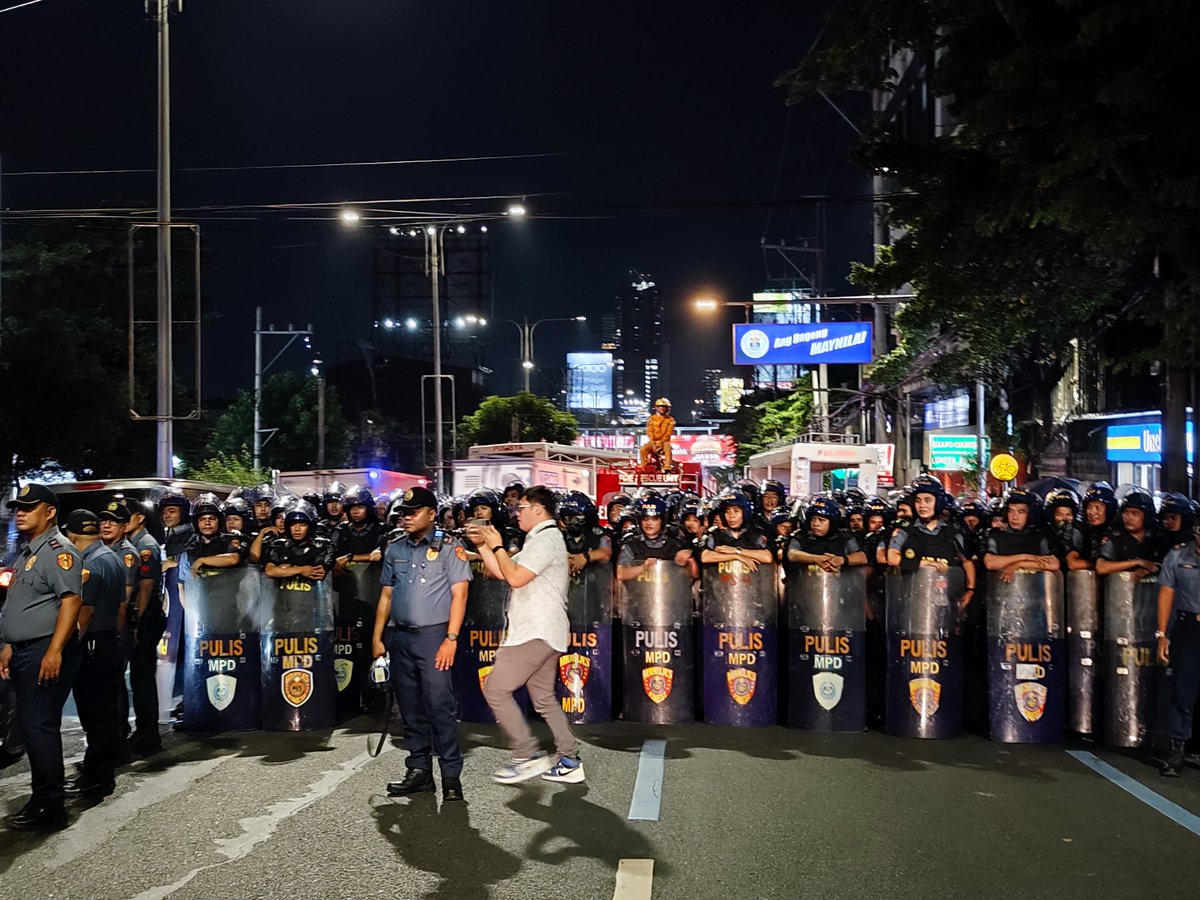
(712, 389)
(639, 342)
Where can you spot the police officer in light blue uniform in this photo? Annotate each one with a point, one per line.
(1179, 642)
(40, 651)
(424, 596)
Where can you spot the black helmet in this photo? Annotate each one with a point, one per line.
(492, 501)
(1180, 504)
(776, 487)
(735, 498)
(357, 495)
(264, 492)
(517, 486)
(750, 489)
(778, 517)
(313, 497)
(1102, 492)
(576, 512)
(334, 492)
(299, 511)
(1064, 497)
(826, 508)
(208, 505)
(617, 497)
(1027, 498)
(877, 506)
(1137, 498)
(973, 507)
(650, 508)
(927, 484)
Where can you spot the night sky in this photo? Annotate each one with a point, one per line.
(667, 132)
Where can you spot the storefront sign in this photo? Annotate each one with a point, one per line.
(1141, 443)
(955, 452)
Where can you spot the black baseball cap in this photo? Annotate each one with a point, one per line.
(116, 511)
(31, 495)
(418, 498)
(83, 521)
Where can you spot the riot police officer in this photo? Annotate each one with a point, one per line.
(174, 511)
(215, 547)
(424, 597)
(238, 519)
(488, 505)
(1062, 506)
(823, 545)
(1178, 637)
(114, 519)
(333, 511)
(1022, 545)
(102, 662)
(361, 537)
(264, 500)
(1099, 510)
(40, 651)
(736, 536)
(1176, 516)
(149, 622)
(1133, 547)
(929, 541)
(301, 552)
(586, 541)
(652, 543)
(774, 496)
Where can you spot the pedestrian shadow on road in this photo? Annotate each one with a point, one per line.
(273, 747)
(443, 842)
(576, 827)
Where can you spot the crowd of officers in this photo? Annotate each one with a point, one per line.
(105, 574)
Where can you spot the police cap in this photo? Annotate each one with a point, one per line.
(31, 495)
(83, 521)
(115, 511)
(418, 498)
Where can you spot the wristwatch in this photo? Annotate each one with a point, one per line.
(451, 636)
(1160, 634)
(497, 548)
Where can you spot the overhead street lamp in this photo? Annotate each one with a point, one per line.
(525, 329)
(710, 304)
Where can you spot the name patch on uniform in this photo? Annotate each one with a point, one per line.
(66, 562)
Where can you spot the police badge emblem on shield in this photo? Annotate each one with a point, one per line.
(657, 682)
(342, 671)
(827, 688)
(483, 676)
(925, 694)
(573, 671)
(221, 689)
(1031, 699)
(297, 686)
(741, 685)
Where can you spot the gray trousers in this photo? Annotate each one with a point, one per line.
(535, 665)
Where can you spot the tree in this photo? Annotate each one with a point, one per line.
(523, 417)
(234, 470)
(289, 405)
(757, 426)
(1066, 199)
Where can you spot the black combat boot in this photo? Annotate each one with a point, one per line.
(1173, 766)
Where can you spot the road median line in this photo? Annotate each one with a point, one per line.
(647, 789)
(1157, 802)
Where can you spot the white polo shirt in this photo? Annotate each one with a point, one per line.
(538, 611)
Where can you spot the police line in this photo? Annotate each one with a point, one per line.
(287, 654)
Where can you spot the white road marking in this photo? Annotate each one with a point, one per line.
(257, 829)
(96, 825)
(647, 789)
(635, 879)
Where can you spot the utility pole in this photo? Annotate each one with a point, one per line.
(321, 418)
(164, 443)
(291, 334)
(433, 238)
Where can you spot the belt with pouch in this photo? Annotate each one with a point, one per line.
(1182, 616)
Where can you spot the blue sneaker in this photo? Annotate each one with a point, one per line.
(566, 770)
(519, 770)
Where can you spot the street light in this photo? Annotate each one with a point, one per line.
(351, 216)
(516, 210)
(526, 331)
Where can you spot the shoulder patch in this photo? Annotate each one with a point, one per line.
(66, 561)
(130, 559)
(85, 574)
(147, 555)
(460, 553)
(910, 553)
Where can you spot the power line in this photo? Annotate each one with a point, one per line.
(20, 5)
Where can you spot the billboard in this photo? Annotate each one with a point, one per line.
(956, 452)
(590, 381)
(766, 344)
(729, 394)
(1141, 443)
(950, 412)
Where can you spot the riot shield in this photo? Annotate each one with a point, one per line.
(925, 656)
(1083, 650)
(222, 688)
(739, 669)
(1027, 661)
(658, 671)
(299, 688)
(482, 631)
(356, 597)
(1131, 666)
(166, 670)
(827, 647)
(584, 686)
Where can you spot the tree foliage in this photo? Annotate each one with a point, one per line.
(1061, 200)
(289, 405)
(522, 417)
(234, 470)
(760, 423)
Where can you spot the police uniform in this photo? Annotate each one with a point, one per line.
(639, 548)
(312, 551)
(148, 627)
(102, 662)
(358, 539)
(752, 538)
(45, 573)
(839, 543)
(918, 541)
(594, 538)
(1029, 540)
(421, 574)
(1181, 573)
(1119, 545)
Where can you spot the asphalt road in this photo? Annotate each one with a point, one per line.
(743, 813)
